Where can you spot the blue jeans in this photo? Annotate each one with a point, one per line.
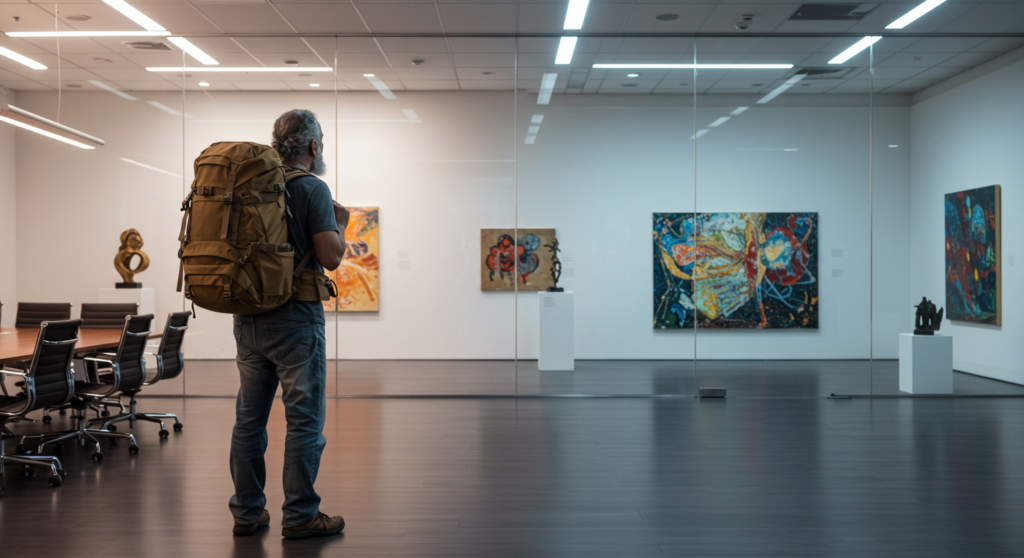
(294, 354)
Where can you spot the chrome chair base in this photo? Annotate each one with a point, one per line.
(134, 416)
(29, 460)
(82, 434)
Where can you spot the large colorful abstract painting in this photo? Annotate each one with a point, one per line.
(973, 277)
(736, 270)
(358, 276)
(508, 257)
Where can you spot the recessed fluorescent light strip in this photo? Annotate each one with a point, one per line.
(719, 122)
(739, 111)
(854, 50)
(382, 87)
(145, 166)
(117, 92)
(135, 15)
(547, 86)
(46, 127)
(253, 69)
(912, 15)
(22, 59)
(193, 50)
(782, 88)
(566, 46)
(575, 14)
(696, 66)
(29, 34)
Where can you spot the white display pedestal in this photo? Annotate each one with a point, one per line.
(557, 340)
(144, 297)
(926, 363)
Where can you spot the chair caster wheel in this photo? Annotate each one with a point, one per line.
(21, 450)
(112, 428)
(164, 434)
(55, 481)
(105, 414)
(27, 473)
(133, 449)
(97, 457)
(63, 412)
(62, 473)
(47, 419)
(178, 426)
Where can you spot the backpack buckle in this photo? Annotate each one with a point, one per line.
(229, 197)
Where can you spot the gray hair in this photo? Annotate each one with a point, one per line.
(293, 131)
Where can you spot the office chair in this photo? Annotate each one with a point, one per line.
(123, 369)
(102, 316)
(170, 362)
(31, 314)
(48, 381)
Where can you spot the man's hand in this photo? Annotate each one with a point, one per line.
(341, 215)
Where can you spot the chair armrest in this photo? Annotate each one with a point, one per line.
(13, 372)
(103, 360)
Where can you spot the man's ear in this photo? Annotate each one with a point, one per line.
(314, 148)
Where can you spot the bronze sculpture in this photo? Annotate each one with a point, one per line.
(556, 265)
(927, 321)
(131, 246)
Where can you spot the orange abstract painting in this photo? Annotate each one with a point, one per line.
(358, 276)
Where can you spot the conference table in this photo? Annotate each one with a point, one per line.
(18, 344)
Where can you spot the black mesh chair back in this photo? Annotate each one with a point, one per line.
(172, 359)
(131, 353)
(107, 315)
(50, 368)
(31, 314)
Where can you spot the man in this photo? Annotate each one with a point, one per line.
(288, 345)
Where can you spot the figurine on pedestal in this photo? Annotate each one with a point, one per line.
(927, 321)
(556, 266)
(131, 246)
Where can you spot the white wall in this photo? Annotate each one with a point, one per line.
(601, 166)
(967, 137)
(8, 218)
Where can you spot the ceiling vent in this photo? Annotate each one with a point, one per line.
(833, 12)
(825, 73)
(146, 45)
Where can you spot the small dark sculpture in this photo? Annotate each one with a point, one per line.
(556, 265)
(927, 321)
(131, 246)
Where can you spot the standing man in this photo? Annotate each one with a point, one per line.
(288, 346)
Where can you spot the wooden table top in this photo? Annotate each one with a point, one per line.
(17, 344)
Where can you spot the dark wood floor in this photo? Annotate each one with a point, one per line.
(747, 476)
(751, 378)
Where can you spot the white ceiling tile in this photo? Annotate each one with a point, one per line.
(432, 60)
(482, 45)
(322, 18)
(486, 84)
(915, 59)
(545, 60)
(26, 85)
(262, 85)
(766, 17)
(691, 16)
(401, 18)
(160, 59)
(792, 44)
(674, 45)
(274, 59)
(126, 74)
(895, 72)
(180, 18)
(918, 84)
(51, 75)
(217, 45)
(726, 44)
(282, 45)
(969, 59)
(810, 26)
(148, 85)
(77, 45)
(549, 18)
(478, 18)
(30, 18)
(894, 44)
(362, 61)
(945, 44)
(99, 61)
(425, 74)
(494, 60)
(478, 73)
(795, 58)
(432, 85)
(247, 18)
(344, 45)
(413, 44)
(1000, 45)
(940, 73)
(987, 18)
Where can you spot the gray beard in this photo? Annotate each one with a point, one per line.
(319, 167)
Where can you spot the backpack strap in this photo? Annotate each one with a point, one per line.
(290, 174)
(229, 196)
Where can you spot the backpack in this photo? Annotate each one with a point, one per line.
(235, 256)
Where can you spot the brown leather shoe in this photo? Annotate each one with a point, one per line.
(246, 529)
(321, 526)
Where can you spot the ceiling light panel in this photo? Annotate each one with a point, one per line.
(193, 51)
(575, 14)
(72, 34)
(566, 46)
(45, 127)
(854, 50)
(696, 66)
(22, 59)
(135, 15)
(255, 69)
(913, 15)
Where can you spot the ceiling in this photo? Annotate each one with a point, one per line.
(301, 31)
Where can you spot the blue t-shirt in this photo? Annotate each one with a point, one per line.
(312, 208)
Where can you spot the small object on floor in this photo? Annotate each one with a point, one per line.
(718, 392)
(321, 526)
(247, 529)
(927, 321)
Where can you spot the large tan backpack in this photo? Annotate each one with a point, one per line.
(235, 256)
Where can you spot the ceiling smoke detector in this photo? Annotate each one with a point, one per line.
(292, 62)
(629, 85)
(667, 17)
(101, 59)
(487, 73)
(74, 85)
(417, 62)
(305, 75)
(744, 22)
(78, 17)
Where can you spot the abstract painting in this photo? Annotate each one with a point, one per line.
(358, 276)
(973, 277)
(507, 259)
(736, 270)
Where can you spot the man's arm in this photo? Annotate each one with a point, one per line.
(330, 245)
